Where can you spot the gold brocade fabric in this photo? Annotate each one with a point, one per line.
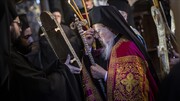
(127, 79)
(90, 90)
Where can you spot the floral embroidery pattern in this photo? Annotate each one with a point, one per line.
(127, 78)
(129, 82)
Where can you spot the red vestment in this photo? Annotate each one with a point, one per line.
(129, 78)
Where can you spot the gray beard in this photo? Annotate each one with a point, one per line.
(107, 49)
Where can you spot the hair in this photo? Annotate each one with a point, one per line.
(55, 10)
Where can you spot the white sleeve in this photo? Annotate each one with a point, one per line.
(105, 77)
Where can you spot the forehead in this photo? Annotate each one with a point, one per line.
(56, 13)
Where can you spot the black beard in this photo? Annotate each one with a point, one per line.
(21, 48)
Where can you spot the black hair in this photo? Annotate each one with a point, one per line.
(55, 10)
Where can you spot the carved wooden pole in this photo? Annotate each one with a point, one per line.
(176, 10)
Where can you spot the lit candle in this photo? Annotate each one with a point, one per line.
(86, 12)
(75, 10)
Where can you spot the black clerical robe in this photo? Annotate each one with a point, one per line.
(28, 83)
(169, 88)
(7, 14)
(47, 54)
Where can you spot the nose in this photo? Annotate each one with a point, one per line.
(30, 40)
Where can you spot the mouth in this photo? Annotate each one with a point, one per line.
(30, 45)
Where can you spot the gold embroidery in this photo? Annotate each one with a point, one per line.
(129, 82)
(90, 90)
(111, 71)
(127, 78)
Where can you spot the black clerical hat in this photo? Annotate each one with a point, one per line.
(108, 16)
(122, 5)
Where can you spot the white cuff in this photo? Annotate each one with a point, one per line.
(105, 77)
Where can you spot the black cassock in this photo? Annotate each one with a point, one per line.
(170, 87)
(47, 54)
(27, 83)
(7, 14)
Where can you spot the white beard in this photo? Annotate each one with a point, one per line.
(107, 49)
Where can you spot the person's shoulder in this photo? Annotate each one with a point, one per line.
(128, 44)
(127, 48)
(65, 26)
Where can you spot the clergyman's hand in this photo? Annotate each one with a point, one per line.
(98, 72)
(73, 69)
